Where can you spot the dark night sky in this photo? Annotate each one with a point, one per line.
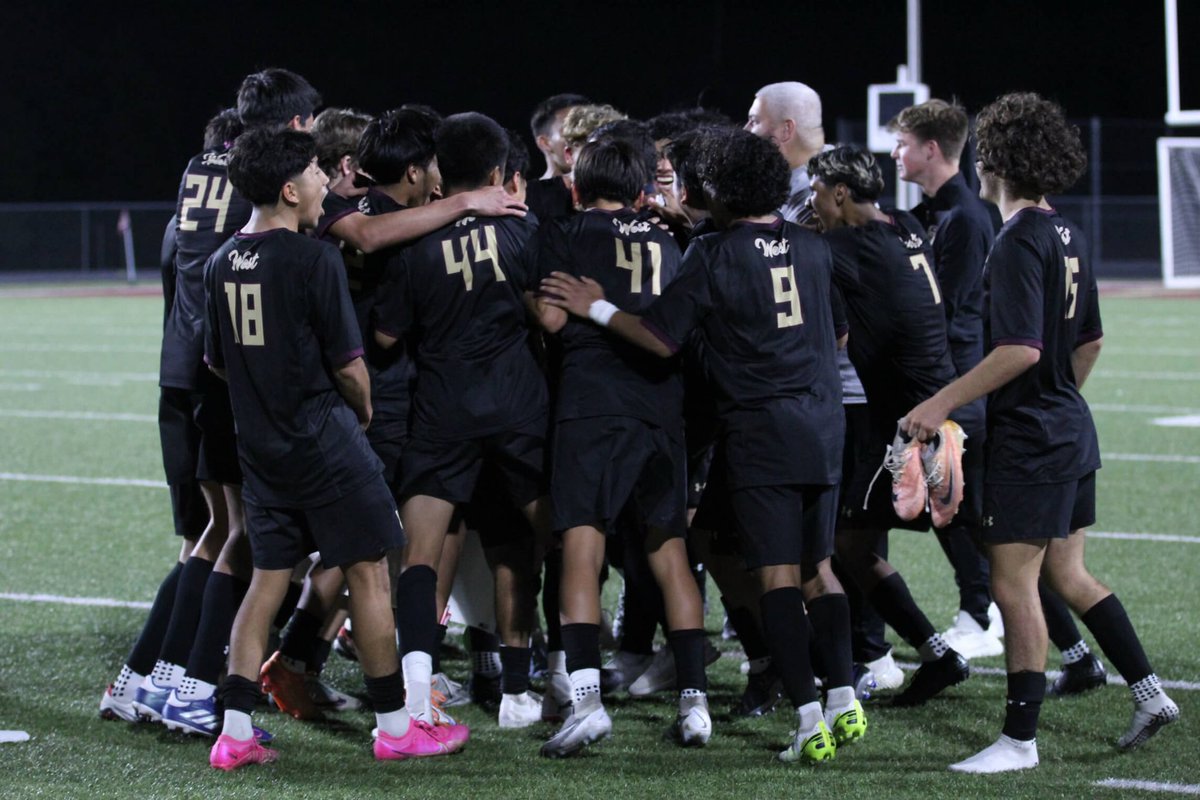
(106, 101)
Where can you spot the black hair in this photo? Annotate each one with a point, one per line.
(518, 156)
(609, 169)
(274, 97)
(1026, 141)
(222, 129)
(543, 115)
(637, 135)
(671, 124)
(395, 140)
(684, 154)
(264, 159)
(745, 173)
(421, 108)
(469, 147)
(853, 167)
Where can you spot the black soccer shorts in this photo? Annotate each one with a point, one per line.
(1014, 513)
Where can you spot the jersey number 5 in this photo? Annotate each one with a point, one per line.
(249, 311)
(217, 200)
(490, 252)
(783, 280)
(1072, 275)
(632, 261)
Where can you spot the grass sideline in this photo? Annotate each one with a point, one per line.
(99, 355)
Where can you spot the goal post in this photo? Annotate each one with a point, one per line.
(1179, 210)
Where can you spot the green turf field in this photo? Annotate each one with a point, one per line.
(77, 406)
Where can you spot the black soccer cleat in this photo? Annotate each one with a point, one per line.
(1082, 676)
(764, 693)
(932, 677)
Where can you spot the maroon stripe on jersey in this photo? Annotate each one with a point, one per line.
(346, 358)
(328, 221)
(671, 344)
(1088, 336)
(1035, 343)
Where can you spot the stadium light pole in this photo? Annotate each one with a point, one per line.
(908, 194)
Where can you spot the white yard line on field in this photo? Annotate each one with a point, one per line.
(102, 602)
(1142, 409)
(1144, 537)
(89, 416)
(76, 479)
(1152, 457)
(79, 376)
(1161, 375)
(50, 347)
(1149, 786)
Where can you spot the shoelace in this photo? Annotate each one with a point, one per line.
(894, 463)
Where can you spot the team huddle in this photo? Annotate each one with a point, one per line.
(690, 349)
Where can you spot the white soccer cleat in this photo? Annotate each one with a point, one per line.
(658, 676)
(520, 710)
(622, 670)
(117, 706)
(692, 728)
(1006, 754)
(887, 674)
(1146, 723)
(971, 639)
(577, 733)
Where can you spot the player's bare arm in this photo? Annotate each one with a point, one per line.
(372, 233)
(1083, 358)
(354, 385)
(550, 318)
(998, 368)
(577, 295)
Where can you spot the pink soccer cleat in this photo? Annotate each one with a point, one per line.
(229, 753)
(420, 741)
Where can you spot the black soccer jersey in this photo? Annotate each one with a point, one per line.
(760, 296)
(602, 374)
(459, 291)
(279, 321)
(898, 345)
(960, 231)
(392, 372)
(549, 199)
(1041, 292)
(208, 211)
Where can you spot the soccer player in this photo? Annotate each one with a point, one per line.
(929, 142)
(550, 196)
(479, 397)
(618, 440)
(337, 131)
(1044, 334)
(758, 294)
(281, 331)
(898, 345)
(195, 427)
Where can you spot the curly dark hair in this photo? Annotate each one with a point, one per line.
(745, 173)
(1026, 141)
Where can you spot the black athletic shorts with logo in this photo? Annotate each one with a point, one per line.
(603, 464)
(1017, 512)
(360, 526)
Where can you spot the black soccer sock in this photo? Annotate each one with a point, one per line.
(416, 610)
(1060, 625)
(319, 655)
(1109, 623)
(485, 651)
(514, 669)
(786, 632)
(185, 616)
(238, 694)
(643, 601)
(895, 604)
(149, 642)
(830, 618)
(290, 601)
(868, 640)
(440, 635)
(223, 595)
(688, 648)
(581, 642)
(298, 637)
(386, 693)
(1025, 693)
(972, 573)
(748, 632)
(551, 585)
